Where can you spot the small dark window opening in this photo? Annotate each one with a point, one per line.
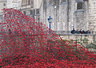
(24, 12)
(80, 5)
(4, 4)
(37, 11)
(63, 1)
(32, 12)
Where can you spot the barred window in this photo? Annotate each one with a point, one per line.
(80, 5)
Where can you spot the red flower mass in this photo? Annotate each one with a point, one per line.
(25, 43)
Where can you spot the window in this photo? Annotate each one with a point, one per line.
(32, 12)
(37, 11)
(4, 4)
(80, 5)
(63, 1)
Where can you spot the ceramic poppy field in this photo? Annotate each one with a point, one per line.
(25, 43)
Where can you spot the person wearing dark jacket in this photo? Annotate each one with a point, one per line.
(73, 31)
(77, 31)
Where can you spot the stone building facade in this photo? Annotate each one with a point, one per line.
(31, 8)
(92, 15)
(66, 14)
(14, 4)
(28, 7)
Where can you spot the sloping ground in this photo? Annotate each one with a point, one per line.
(28, 44)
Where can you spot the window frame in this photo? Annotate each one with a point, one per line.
(80, 5)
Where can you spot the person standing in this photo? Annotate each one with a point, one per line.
(73, 31)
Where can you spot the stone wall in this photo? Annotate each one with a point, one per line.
(91, 38)
(92, 15)
(65, 15)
